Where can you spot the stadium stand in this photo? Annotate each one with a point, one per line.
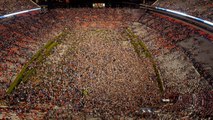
(97, 71)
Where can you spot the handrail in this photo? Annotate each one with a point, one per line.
(20, 12)
(186, 15)
(198, 22)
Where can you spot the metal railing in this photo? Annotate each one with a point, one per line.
(197, 22)
(18, 13)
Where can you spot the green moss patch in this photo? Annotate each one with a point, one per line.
(37, 58)
(141, 50)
